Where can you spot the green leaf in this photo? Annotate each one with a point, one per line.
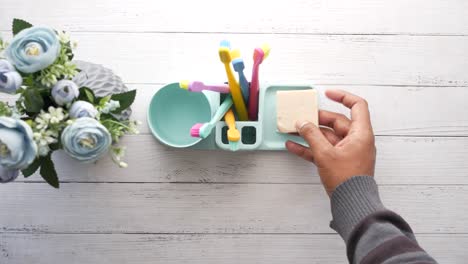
(28, 81)
(32, 168)
(48, 172)
(33, 100)
(87, 94)
(125, 99)
(19, 25)
(108, 117)
(55, 146)
(103, 100)
(70, 51)
(4, 109)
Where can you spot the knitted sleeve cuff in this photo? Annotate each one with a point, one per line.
(352, 201)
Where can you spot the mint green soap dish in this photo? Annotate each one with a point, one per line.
(173, 111)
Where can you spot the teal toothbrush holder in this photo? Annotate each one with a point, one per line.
(173, 111)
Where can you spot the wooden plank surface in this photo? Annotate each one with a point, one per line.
(211, 208)
(449, 17)
(203, 249)
(400, 160)
(407, 58)
(317, 59)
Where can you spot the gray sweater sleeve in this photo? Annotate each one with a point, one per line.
(372, 233)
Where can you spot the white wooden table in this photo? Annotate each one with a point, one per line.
(408, 58)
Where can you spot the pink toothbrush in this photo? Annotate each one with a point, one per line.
(199, 87)
(259, 56)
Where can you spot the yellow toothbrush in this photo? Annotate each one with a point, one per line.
(239, 104)
(233, 134)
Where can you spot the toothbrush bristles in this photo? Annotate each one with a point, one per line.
(225, 43)
(234, 146)
(195, 130)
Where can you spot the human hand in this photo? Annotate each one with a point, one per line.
(342, 148)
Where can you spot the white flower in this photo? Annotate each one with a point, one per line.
(117, 154)
(110, 106)
(43, 139)
(42, 121)
(52, 117)
(63, 36)
(46, 131)
(56, 115)
(133, 127)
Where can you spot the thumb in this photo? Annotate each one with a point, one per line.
(313, 136)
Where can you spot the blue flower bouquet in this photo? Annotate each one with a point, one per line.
(59, 105)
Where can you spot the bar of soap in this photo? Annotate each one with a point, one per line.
(293, 106)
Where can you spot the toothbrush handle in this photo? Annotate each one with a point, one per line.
(217, 88)
(230, 119)
(244, 84)
(254, 90)
(223, 108)
(236, 94)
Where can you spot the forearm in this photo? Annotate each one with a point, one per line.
(372, 233)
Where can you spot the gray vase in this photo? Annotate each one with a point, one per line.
(102, 81)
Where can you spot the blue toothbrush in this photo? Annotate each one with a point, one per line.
(238, 65)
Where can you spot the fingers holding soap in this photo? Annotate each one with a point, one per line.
(313, 136)
(341, 148)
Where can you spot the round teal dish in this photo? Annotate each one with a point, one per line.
(172, 113)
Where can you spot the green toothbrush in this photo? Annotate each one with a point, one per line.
(204, 130)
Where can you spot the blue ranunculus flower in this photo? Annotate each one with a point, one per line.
(10, 79)
(86, 139)
(81, 109)
(6, 66)
(17, 147)
(10, 82)
(65, 92)
(8, 175)
(33, 49)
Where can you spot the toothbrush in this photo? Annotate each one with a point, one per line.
(200, 86)
(239, 66)
(233, 134)
(260, 54)
(225, 57)
(204, 130)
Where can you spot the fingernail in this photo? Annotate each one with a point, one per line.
(301, 124)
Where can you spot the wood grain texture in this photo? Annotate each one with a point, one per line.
(407, 58)
(203, 249)
(383, 60)
(211, 208)
(400, 160)
(291, 17)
